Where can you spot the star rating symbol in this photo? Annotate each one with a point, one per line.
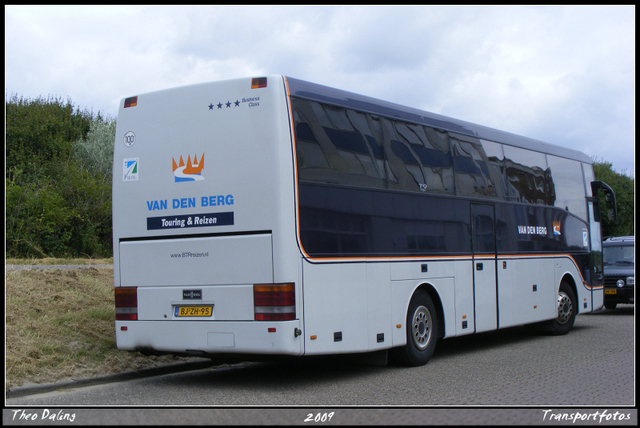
(227, 105)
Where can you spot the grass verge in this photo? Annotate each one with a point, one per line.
(59, 324)
(54, 261)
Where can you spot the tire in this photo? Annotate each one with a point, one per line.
(610, 306)
(422, 332)
(567, 310)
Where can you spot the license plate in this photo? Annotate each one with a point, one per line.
(611, 291)
(193, 311)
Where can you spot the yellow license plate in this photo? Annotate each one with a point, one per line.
(193, 311)
(610, 291)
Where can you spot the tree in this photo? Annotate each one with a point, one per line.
(39, 133)
(623, 187)
(57, 185)
(95, 152)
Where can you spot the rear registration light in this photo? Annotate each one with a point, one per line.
(274, 302)
(126, 303)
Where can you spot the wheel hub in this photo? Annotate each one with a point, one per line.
(565, 308)
(421, 327)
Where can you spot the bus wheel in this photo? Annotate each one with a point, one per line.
(567, 309)
(422, 332)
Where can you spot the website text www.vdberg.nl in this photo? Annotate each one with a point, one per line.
(188, 254)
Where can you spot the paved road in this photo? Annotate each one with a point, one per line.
(591, 367)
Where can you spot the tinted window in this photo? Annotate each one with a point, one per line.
(623, 255)
(331, 148)
(528, 178)
(568, 184)
(343, 146)
(427, 159)
(471, 167)
(495, 165)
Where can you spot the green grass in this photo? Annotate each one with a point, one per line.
(60, 323)
(55, 261)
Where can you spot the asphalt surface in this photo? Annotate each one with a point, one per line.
(594, 384)
(600, 358)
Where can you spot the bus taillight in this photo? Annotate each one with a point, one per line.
(274, 302)
(126, 303)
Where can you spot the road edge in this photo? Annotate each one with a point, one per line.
(34, 389)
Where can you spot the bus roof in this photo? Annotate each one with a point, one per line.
(325, 94)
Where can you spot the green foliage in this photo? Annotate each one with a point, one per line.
(39, 133)
(37, 220)
(623, 187)
(58, 180)
(96, 151)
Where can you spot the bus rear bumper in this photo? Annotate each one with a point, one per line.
(200, 337)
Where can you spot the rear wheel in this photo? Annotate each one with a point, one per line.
(422, 332)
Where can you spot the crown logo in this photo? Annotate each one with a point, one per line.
(191, 171)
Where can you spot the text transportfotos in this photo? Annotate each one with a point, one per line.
(597, 416)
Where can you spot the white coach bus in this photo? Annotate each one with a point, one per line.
(272, 216)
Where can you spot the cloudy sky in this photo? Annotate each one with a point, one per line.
(564, 75)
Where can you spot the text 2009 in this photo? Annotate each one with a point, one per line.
(319, 417)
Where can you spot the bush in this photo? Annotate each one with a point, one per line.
(623, 186)
(58, 180)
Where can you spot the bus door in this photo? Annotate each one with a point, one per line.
(485, 286)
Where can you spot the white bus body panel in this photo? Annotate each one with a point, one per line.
(244, 259)
(219, 227)
(209, 337)
(335, 310)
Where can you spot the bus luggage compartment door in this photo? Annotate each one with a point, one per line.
(224, 260)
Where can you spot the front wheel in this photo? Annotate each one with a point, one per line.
(567, 310)
(422, 332)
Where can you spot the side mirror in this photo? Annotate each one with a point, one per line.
(609, 198)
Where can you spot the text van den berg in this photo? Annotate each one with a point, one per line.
(205, 201)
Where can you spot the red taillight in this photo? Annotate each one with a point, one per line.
(274, 302)
(126, 303)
